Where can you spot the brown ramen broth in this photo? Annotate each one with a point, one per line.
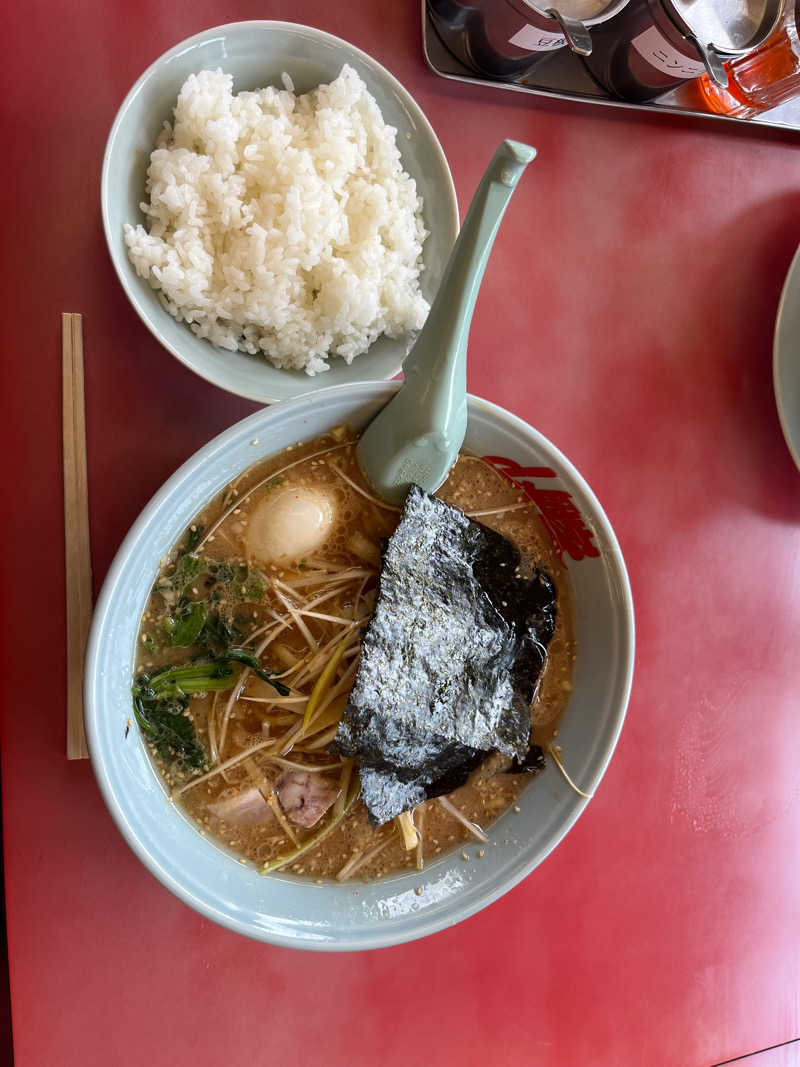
(237, 567)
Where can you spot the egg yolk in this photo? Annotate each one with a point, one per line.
(289, 525)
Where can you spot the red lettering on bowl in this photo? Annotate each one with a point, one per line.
(561, 518)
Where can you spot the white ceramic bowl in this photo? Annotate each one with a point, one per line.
(256, 53)
(284, 909)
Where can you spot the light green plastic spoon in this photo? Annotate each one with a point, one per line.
(417, 436)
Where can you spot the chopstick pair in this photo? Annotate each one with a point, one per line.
(77, 548)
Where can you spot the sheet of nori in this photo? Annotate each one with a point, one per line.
(449, 661)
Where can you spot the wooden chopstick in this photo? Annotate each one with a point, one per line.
(77, 548)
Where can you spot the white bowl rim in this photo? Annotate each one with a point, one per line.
(780, 358)
(459, 910)
(262, 397)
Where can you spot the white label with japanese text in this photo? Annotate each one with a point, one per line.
(659, 53)
(535, 40)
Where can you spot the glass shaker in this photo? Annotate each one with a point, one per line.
(759, 81)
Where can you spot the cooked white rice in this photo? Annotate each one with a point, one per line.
(282, 224)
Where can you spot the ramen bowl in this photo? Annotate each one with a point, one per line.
(287, 910)
(257, 54)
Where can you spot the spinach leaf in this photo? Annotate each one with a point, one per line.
(240, 655)
(164, 724)
(224, 572)
(197, 676)
(221, 638)
(251, 587)
(218, 634)
(184, 626)
(173, 586)
(161, 699)
(242, 581)
(186, 570)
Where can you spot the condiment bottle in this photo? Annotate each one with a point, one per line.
(766, 77)
(654, 46)
(507, 38)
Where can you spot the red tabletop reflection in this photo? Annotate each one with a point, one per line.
(627, 313)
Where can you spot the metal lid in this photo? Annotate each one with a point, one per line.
(586, 12)
(729, 26)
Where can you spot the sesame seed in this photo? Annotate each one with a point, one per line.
(516, 807)
(480, 853)
(418, 891)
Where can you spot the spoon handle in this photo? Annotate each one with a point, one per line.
(417, 436)
(448, 322)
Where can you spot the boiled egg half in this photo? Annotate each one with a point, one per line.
(289, 525)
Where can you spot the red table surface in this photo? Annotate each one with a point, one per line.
(627, 313)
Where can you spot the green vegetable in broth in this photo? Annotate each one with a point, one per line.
(161, 699)
(224, 572)
(218, 636)
(199, 676)
(186, 570)
(243, 582)
(241, 655)
(165, 725)
(184, 626)
(160, 702)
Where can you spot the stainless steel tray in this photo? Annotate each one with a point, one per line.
(562, 76)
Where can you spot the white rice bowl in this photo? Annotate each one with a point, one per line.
(282, 225)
